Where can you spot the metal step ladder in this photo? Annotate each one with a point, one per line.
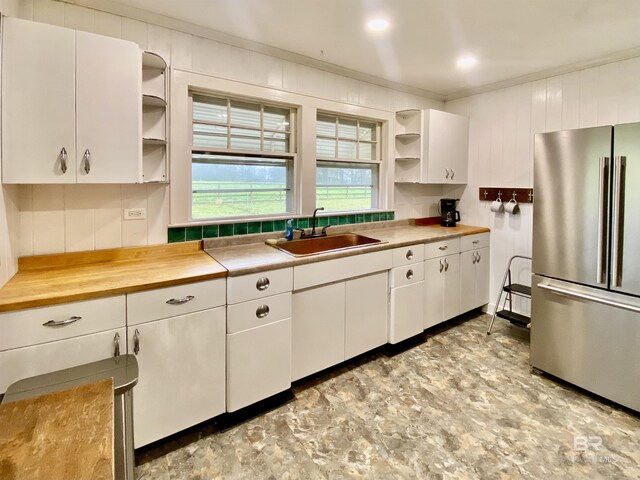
(511, 289)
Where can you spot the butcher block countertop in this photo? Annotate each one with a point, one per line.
(241, 259)
(60, 278)
(66, 434)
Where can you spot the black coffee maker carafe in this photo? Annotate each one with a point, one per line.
(448, 213)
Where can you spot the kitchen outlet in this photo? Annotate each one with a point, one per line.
(135, 213)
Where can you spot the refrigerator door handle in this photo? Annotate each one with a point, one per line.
(619, 164)
(603, 209)
(591, 298)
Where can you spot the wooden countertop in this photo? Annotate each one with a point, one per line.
(65, 434)
(59, 278)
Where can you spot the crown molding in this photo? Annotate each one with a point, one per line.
(116, 8)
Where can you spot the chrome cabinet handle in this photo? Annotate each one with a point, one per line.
(452, 173)
(409, 254)
(262, 311)
(136, 342)
(447, 173)
(86, 159)
(603, 212)
(441, 266)
(409, 274)
(478, 257)
(475, 241)
(63, 160)
(180, 301)
(61, 323)
(443, 248)
(262, 283)
(446, 265)
(116, 345)
(475, 259)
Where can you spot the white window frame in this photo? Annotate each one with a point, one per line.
(183, 81)
(375, 193)
(290, 155)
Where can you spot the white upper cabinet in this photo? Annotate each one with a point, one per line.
(71, 106)
(38, 103)
(108, 110)
(431, 147)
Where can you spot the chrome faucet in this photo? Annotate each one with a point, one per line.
(313, 233)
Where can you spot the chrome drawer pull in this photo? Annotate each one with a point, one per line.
(443, 248)
(136, 342)
(409, 254)
(116, 345)
(262, 311)
(61, 323)
(409, 274)
(262, 283)
(180, 301)
(476, 241)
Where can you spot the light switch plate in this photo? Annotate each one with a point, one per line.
(135, 213)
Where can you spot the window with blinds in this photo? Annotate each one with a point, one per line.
(242, 158)
(348, 163)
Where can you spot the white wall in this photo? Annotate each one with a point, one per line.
(502, 125)
(72, 218)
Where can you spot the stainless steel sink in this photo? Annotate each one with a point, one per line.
(330, 243)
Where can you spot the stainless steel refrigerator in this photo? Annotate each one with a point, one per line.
(585, 311)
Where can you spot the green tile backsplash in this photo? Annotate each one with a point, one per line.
(181, 234)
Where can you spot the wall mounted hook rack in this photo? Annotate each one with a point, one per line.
(520, 195)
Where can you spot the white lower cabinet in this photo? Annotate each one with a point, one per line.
(182, 373)
(441, 289)
(366, 313)
(258, 349)
(19, 363)
(474, 279)
(318, 329)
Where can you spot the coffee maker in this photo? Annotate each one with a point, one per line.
(448, 213)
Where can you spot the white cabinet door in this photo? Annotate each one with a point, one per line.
(406, 317)
(433, 292)
(468, 281)
(182, 373)
(26, 362)
(482, 277)
(451, 299)
(258, 363)
(446, 147)
(108, 110)
(318, 324)
(366, 313)
(38, 102)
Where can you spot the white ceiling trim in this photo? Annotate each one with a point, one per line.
(135, 13)
(548, 73)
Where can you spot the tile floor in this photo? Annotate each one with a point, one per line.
(455, 404)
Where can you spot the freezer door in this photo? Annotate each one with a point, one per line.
(571, 205)
(588, 337)
(625, 225)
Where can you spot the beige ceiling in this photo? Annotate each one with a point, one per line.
(511, 38)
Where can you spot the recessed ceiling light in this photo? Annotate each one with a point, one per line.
(467, 61)
(378, 24)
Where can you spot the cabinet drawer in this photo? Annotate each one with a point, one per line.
(406, 275)
(20, 363)
(474, 242)
(246, 315)
(408, 255)
(172, 301)
(258, 285)
(329, 271)
(26, 327)
(442, 248)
